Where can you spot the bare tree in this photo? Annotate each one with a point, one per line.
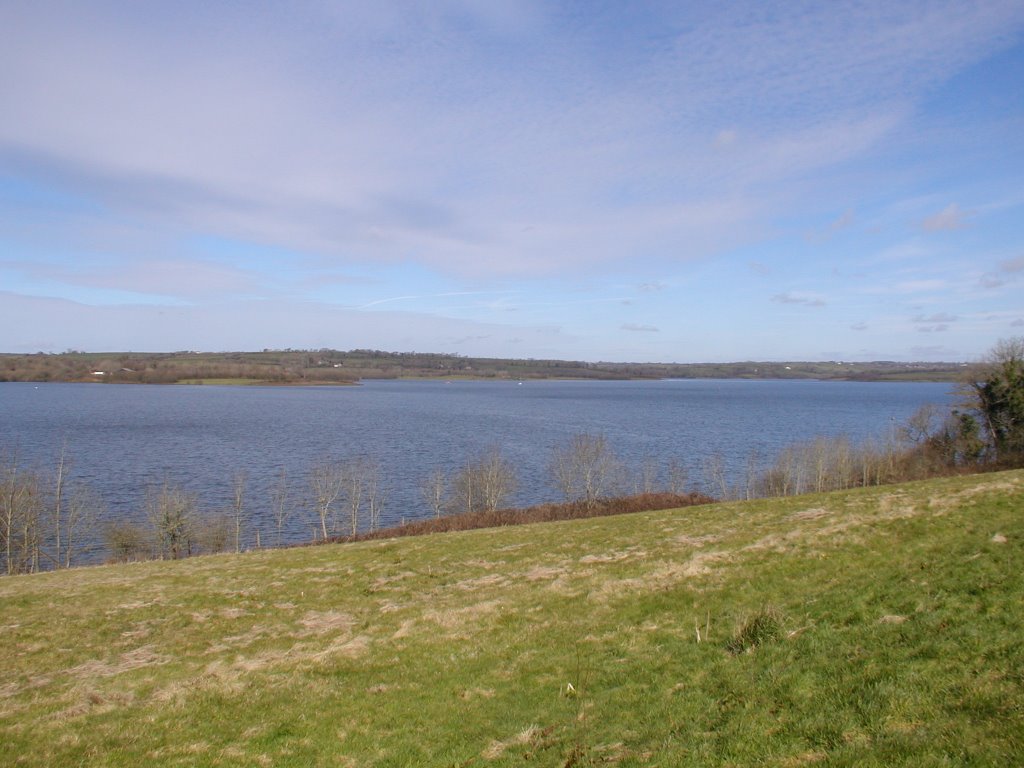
(677, 476)
(465, 493)
(783, 477)
(820, 464)
(84, 506)
(326, 479)
(497, 479)
(433, 491)
(753, 470)
(238, 507)
(39, 521)
(646, 480)
(919, 426)
(484, 483)
(58, 501)
(214, 532)
(280, 502)
(10, 510)
(354, 480)
(714, 475)
(21, 507)
(585, 469)
(376, 496)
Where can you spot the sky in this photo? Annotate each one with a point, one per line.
(601, 181)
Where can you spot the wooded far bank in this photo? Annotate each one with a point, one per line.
(328, 366)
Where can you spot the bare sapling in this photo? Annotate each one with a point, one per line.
(585, 469)
(280, 503)
(326, 480)
(434, 490)
(376, 496)
(238, 507)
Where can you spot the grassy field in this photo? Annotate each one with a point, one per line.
(875, 627)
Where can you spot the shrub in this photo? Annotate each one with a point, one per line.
(126, 542)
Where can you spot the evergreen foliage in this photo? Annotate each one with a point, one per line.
(998, 393)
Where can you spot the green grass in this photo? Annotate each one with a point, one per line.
(875, 627)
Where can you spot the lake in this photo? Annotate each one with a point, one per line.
(123, 439)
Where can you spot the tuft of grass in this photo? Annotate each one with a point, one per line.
(762, 626)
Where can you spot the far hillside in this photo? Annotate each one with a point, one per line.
(327, 366)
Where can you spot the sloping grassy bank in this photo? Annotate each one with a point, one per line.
(881, 626)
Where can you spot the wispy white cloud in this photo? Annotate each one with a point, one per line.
(172, 278)
(909, 287)
(1013, 265)
(990, 280)
(651, 287)
(446, 294)
(949, 218)
(639, 327)
(844, 221)
(793, 297)
(938, 317)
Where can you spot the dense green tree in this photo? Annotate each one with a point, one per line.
(997, 393)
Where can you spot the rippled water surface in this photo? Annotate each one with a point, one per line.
(125, 438)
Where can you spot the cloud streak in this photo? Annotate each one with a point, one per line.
(792, 297)
(639, 328)
(948, 219)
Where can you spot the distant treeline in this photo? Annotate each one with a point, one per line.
(328, 366)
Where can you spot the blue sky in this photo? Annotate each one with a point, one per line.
(655, 181)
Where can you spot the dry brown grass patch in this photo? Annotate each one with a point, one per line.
(546, 572)
(457, 618)
(140, 657)
(321, 622)
(688, 540)
(349, 648)
(497, 748)
(613, 556)
(814, 513)
(94, 703)
(491, 580)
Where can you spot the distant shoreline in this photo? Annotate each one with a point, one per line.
(332, 367)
